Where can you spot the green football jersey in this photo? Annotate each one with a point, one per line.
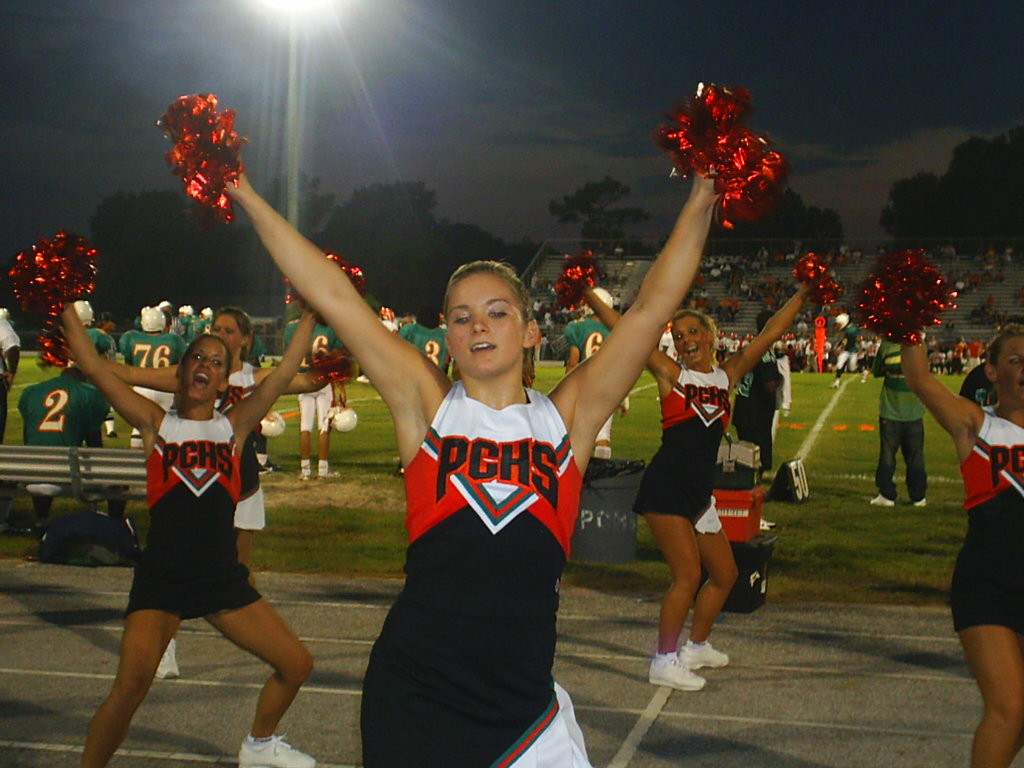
(324, 339)
(151, 350)
(432, 342)
(61, 411)
(102, 341)
(587, 335)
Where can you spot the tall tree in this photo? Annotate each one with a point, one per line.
(594, 205)
(979, 195)
(387, 229)
(791, 219)
(918, 207)
(153, 245)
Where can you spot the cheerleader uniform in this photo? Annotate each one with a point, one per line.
(190, 565)
(680, 477)
(461, 673)
(988, 581)
(251, 512)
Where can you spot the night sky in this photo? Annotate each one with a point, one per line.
(498, 106)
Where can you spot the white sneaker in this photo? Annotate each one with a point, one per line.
(834, 384)
(703, 656)
(276, 753)
(670, 671)
(329, 475)
(168, 667)
(305, 476)
(881, 501)
(921, 503)
(766, 525)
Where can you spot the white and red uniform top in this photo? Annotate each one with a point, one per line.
(994, 476)
(700, 396)
(193, 483)
(995, 466)
(491, 502)
(694, 416)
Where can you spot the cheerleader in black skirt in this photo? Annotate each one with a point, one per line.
(190, 566)
(987, 593)
(675, 495)
(461, 675)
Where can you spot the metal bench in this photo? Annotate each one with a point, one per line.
(87, 474)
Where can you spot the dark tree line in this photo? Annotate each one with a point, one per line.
(979, 195)
(156, 245)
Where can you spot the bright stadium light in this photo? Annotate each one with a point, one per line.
(297, 12)
(296, 7)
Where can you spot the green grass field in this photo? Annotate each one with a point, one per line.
(834, 546)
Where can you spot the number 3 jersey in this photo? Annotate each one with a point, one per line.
(193, 483)
(492, 498)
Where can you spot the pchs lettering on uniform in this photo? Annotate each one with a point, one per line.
(707, 395)
(198, 454)
(524, 462)
(1006, 457)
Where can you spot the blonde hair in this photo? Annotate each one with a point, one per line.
(995, 345)
(499, 269)
(704, 319)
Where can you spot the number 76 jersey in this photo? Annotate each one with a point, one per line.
(151, 350)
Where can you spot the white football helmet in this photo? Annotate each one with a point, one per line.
(4, 314)
(206, 312)
(342, 418)
(273, 424)
(604, 296)
(842, 320)
(186, 310)
(84, 311)
(152, 319)
(165, 304)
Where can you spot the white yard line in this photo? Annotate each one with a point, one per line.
(158, 757)
(643, 725)
(812, 436)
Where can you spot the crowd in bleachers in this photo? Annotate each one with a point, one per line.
(734, 288)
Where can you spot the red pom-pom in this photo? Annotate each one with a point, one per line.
(903, 294)
(578, 273)
(53, 272)
(813, 270)
(330, 367)
(206, 150)
(355, 275)
(704, 136)
(53, 347)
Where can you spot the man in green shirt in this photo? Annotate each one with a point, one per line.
(900, 426)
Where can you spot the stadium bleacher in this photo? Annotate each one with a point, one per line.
(992, 282)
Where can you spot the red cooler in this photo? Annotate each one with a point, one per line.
(740, 512)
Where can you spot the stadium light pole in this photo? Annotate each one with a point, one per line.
(293, 10)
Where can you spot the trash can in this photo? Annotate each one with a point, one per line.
(606, 525)
(751, 588)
